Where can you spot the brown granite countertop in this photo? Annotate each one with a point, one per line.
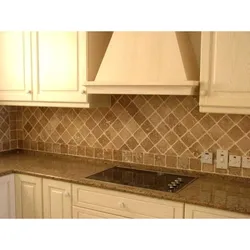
(223, 192)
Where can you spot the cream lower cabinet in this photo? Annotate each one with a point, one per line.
(225, 72)
(56, 199)
(84, 213)
(7, 196)
(200, 212)
(28, 196)
(91, 202)
(34, 197)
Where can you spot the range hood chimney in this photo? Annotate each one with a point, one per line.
(147, 63)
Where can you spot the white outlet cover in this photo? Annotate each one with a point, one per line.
(207, 157)
(245, 161)
(222, 159)
(234, 161)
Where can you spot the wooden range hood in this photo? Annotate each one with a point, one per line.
(147, 63)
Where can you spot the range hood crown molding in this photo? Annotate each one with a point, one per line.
(161, 63)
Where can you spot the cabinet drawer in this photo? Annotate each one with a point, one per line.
(128, 205)
(84, 213)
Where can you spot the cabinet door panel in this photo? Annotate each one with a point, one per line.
(225, 72)
(15, 66)
(28, 196)
(7, 197)
(84, 213)
(56, 199)
(59, 68)
(199, 212)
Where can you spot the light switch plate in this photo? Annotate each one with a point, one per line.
(234, 161)
(207, 157)
(222, 159)
(245, 161)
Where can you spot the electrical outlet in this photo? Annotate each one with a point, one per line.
(222, 159)
(207, 157)
(245, 161)
(234, 161)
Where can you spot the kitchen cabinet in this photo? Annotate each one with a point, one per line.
(56, 199)
(7, 196)
(103, 203)
(51, 68)
(15, 66)
(84, 213)
(200, 212)
(28, 196)
(224, 75)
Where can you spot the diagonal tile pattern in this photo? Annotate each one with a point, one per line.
(155, 126)
(8, 128)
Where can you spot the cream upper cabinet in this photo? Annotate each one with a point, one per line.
(59, 66)
(51, 68)
(200, 212)
(225, 72)
(28, 197)
(56, 199)
(7, 196)
(15, 66)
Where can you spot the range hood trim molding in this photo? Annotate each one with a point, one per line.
(146, 88)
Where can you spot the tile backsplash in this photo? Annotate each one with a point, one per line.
(8, 137)
(155, 130)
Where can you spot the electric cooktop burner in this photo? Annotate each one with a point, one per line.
(144, 179)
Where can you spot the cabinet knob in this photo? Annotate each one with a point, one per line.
(84, 91)
(67, 194)
(29, 92)
(121, 204)
(203, 92)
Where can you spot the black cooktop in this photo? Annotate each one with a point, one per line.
(144, 179)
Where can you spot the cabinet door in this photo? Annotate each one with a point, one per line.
(59, 66)
(84, 213)
(56, 199)
(225, 72)
(15, 66)
(28, 196)
(7, 196)
(199, 212)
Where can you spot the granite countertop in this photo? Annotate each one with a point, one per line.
(222, 192)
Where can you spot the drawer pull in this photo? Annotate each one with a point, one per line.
(121, 204)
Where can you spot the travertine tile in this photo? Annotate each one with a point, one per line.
(108, 154)
(148, 159)
(160, 160)
(235, 171)
(137, 158)
(183, 162)
(195, 164)
(171, 161)
(208, 168)
(81, 150)
(89, 152)
(143, 126)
